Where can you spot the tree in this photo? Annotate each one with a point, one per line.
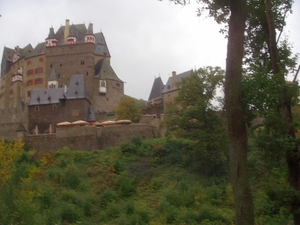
(235, 115)
(233, 101)
(193, 116)
(193, 111)
(128, 110)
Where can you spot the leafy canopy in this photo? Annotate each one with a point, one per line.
(129, 110)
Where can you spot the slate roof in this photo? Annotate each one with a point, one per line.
(101, 46)
(7, 57)
(157, 89)
(80, 30)
(76, 90)
(103, 71)
(52, 76)
(38, 50)
(46, 96)
(168, 86)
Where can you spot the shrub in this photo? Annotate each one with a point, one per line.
(140, 171)
(107, 197)
(70, 213)
(126, 186)
(71, 177)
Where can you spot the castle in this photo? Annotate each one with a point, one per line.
(67, 77)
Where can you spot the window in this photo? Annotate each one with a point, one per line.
(82, 62)
(29, 83)
(28, 93)
(38, 81)
(52, 86)
(51, 65)
(28, 62)
(118, 84)
(61, 63)
(103, 83)
(41, 59)
(30, 72)
(54, 107)
(39, 70)
(36, 109)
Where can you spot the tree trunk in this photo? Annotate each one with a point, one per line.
(292, 156)
(236, 127)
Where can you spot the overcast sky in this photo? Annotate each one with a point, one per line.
(146, 38)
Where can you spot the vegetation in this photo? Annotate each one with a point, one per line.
(254, 47)
(129, 109)
(152, 182)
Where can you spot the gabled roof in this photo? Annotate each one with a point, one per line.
(24, 52)
(168, 86)
(100, 45)
(79, 31)
(46, 96)
(38, 50)
(157, 89)
(103, 71)
(76, 90)
(7, 57)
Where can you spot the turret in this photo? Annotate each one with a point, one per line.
(51, 40)
(90, 37)
(72, 38)
(52, 81)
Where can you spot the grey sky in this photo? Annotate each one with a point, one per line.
(146, 38)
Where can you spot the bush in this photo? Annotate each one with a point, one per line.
(126, 186)
(70, 213)
(107, 197)
(140, 171)
(71, 177)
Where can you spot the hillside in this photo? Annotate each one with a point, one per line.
(152, 182)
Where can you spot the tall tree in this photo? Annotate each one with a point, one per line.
(220, 9)
(235, 116)
(285, 111)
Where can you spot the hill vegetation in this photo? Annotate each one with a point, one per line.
(158, 181)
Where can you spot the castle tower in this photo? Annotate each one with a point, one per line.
(51, 40)
(90, 37)
(72, 38)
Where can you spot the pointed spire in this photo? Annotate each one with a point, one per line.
(51, 40)
(72, 31)
(51, 34)
(72, 38)
(90, 29)
(52, 76)
(90, 37)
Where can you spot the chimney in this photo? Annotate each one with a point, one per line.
(67, 31)
(174, 80)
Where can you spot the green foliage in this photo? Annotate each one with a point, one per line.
(193, 112)
(129, 110)
(156, 185)
(125, 185)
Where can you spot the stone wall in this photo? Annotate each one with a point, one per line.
(90, 138)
